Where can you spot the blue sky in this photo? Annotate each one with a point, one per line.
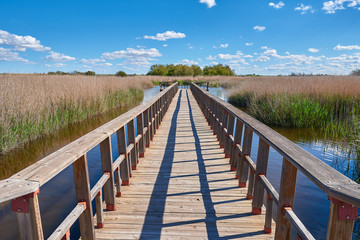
(263, 37)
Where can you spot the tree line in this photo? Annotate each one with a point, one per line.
(193, 70)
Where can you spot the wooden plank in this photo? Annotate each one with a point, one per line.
(60, 231)
(98, 186)
(82, 189)
(300, 229)
(14, 188)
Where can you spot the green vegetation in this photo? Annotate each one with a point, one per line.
(23, 128)
(355, 72)
(193, 70)
(121, 74)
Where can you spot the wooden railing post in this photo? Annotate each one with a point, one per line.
(99, 210)
(146, 124)
(151, 116)
(118, 182)
(125, 165)
(221, 114)
(106, 164)
(242, 168)
(261, 168)
(140, 129)
(286, 199)
(82, 188)
(131, 137)
(237, 140)
(230, 131)
(28, 216)
(341, 220)
(268, 216)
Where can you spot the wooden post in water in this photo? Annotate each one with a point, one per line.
(82, 189)
(286, 199)
(261, 168)
(125, 169)
(242, 168)
(106, 164)
(28, 216)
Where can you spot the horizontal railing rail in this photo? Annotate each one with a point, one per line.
(342, 191)
(23, 187)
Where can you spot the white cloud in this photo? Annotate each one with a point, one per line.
(277, 5)
(10, 56)
(95, 62)
(259, 28)
(209, 3)
(264, 47)
(350, 47)
(304, 9)
(132, 53)
(166, 35)
(58, 57)
(331, 6)
(249, 44)
(313, 50)
(226, 45)
(165, 45)
(188, 62)
(21, 43)
(57, 65)
(133, 56)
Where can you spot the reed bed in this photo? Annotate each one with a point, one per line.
(34, 105)
(331, 103)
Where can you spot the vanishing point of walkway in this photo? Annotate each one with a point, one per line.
(183, 188)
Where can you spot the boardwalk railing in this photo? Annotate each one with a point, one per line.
(342, 191)
(23, 188)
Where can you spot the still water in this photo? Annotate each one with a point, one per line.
(57, 197)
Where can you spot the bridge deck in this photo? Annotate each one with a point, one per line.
(183, 187)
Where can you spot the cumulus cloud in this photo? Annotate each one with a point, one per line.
(277, 5)
(58, 57)
(313, 50)
(133, 56)
(350, 47)
(226, 45)
(8, 55)
(304, 9)
(165, 45)
(188, 62)
(330, 7)
(166, 35)
(259, 28)
(21, 43)
(95, 62)
(209, 3)
(249, 44)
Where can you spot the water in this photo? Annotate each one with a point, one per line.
(57, 197)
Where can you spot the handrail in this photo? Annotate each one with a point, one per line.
(341, 190)
(23, 187)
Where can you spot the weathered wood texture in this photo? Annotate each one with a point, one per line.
(183, 187)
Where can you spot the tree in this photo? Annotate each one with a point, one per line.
(355, 72)
(121, 74)
(90, 73)
(218, 70)
(197, 70)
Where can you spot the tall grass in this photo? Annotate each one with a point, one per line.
(331, 103)
(35, 105)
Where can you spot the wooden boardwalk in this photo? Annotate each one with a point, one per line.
(182, 188)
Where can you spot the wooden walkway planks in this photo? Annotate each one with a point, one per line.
(183, 188)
